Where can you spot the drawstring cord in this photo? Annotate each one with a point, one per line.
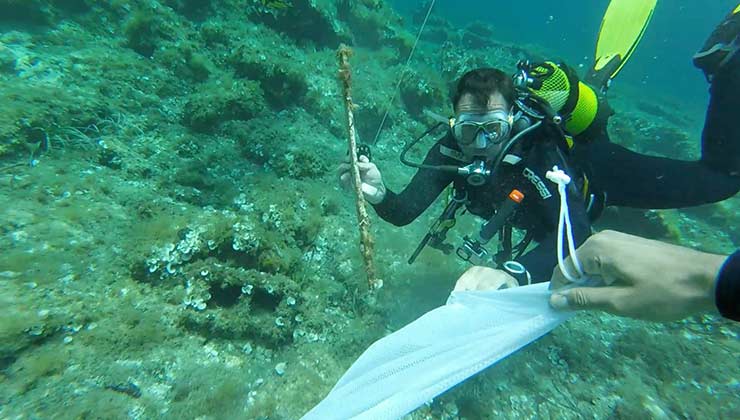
(565, 230)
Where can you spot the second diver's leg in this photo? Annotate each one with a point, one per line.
(720, 61)
(633, 180)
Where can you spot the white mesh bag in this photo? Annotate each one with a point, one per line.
(447, 345)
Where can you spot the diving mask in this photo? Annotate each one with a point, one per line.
(480, 131)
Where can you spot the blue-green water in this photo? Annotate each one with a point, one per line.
(661, 65)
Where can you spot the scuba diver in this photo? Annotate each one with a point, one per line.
(496, 155)
(512, 139)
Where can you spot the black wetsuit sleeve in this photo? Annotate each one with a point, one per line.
(727, 290)
(426, 185)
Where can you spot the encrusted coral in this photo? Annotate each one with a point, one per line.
(232, 270)
(166, 259)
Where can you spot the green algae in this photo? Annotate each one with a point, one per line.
(223, 100)
(182, 233)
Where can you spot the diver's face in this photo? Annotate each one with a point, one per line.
(481, 129)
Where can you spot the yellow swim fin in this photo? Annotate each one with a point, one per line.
(622, 28)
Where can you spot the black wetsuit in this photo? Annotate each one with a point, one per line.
(538, 213)
(727, 292)
(633, 180)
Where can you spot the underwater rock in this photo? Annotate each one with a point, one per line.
(33, 115)
(277, 69)
(192, 9)
(236, 275)
(33, 12)
(672, 113)
(158, 113)
(650, 135)
(23, 327)
(649, 224)
(438, 29)
(273, 141)
(262, 315)
(7, 60)
(375, 24)
(304, 21)
(454, 61)
(186, 61)
(216, 103)
(646, 407)
(301, 164)
(478, 35)
(144, 31)
(110, 158)
(419, 93)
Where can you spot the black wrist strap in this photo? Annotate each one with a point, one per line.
(727, 291)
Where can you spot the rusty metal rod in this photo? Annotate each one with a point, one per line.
(366, 239)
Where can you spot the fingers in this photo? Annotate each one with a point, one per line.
(345, 177)
(361, 158)
(343, 168)
(363, 165)
(591, 264)
(558, 280)
(479, 278)
(368, 189)
(370, 180)
(466, 279)
(471, 277)
(597, 258)
(607, 299)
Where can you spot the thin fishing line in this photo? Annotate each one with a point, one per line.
(403, 73)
